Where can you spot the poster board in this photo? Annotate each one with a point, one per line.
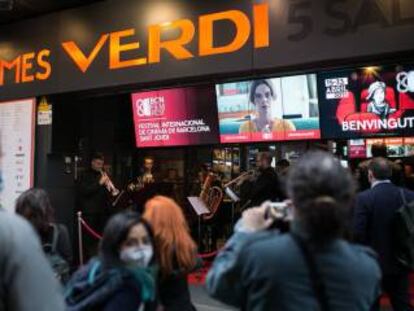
(17, 130)
(175, 117)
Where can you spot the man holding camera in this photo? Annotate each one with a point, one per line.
(310, 268)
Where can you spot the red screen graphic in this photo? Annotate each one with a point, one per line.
(175, 117)
(367, 102)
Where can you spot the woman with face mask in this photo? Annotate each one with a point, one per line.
(122, 277)
(176, 252)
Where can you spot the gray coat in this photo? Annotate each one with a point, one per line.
(266, 271)
(27, 281)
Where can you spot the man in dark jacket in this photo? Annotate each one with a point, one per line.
(373, 226)
(264, 185)
(380, 150)
(93, 199)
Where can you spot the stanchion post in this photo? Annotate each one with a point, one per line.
(80, 238)
(199, 230)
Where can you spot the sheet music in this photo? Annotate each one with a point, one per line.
(198, 206)
(234, 197)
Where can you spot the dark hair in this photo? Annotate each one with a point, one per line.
(97, 156)
(380, 168)
(283, 163)
(256, 84)
(379, 150)
(265, 155)
(116, 232)
(321, 190)
(34, 204)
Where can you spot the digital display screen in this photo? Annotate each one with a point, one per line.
(274, 109)
(397, 147)
(367, 102)
(175, 117)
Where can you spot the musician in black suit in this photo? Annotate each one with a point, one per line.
(93, 199)
(262, 185)
(373, 226)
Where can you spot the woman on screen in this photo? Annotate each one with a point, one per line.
(262, 96)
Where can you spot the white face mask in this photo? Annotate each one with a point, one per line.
(139, 256)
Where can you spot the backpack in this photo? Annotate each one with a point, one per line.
(91, 286)
(59, 265)
(404, 233)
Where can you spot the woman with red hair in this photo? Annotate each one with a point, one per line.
(176, 251)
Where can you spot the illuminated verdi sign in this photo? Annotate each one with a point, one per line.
(147, 43)
(36, 65)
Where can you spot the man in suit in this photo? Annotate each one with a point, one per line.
(263, 185)
(380, 150)
(373, 226)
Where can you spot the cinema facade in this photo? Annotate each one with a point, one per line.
(173, 80)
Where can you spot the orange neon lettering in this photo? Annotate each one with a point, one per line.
(26, 66)
(176, 46)
(16, 64)
(206, 22)
(43, 63)
(83, 62)
(261, 25)
(115, 49)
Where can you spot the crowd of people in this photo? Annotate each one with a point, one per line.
(339, 252)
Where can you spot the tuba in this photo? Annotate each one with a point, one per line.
(211, 196)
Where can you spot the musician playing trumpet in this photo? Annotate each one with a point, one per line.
(92, 199)
(145, 178)
(261, 184)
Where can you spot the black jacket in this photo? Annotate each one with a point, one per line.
(92, 197)
(63, 246)
(373, 221)
(174, 293)
(266, 187)
(173, 290)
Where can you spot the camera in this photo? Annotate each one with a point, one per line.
(282, 215)
(278, 210)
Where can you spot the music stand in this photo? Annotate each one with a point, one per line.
(234, 200)
(200, 208)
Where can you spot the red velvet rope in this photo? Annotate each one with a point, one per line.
(90, 230)
(207, 255)
(96, 235)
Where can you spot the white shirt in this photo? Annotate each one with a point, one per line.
(378, 182)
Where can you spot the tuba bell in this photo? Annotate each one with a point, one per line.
(211, 196)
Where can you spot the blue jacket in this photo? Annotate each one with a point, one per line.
(373, 221)
(266, 271)
(95, 288)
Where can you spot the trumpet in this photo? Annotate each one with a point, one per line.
(110, 185)
(141, 182)
(135, 185)
(240, 179)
